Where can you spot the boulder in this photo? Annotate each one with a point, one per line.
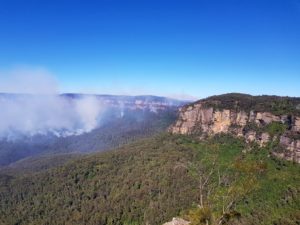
(177, 221)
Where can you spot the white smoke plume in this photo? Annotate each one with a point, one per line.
(38, 109)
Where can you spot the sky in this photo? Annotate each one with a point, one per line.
(175, 48)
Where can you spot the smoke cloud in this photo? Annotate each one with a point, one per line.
(40, 110)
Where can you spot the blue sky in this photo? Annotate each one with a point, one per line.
(162, 47)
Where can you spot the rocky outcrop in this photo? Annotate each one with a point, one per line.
(292, 147)
(296, 126)
(177, 221)
(266, 118)
(202, 120)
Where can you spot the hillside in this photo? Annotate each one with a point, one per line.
(155, 179)
(265, 120)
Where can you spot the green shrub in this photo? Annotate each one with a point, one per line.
(276, 128)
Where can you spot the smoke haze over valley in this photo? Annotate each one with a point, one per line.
(39, 109)
(36, 119)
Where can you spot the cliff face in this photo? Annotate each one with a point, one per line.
(206, 118)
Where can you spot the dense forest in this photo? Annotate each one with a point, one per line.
(218, 181)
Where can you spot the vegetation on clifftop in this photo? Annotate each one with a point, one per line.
(264, 103)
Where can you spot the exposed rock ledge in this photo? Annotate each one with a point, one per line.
(198, 119)
(177, 221)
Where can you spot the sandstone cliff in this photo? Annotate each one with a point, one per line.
(239, 116)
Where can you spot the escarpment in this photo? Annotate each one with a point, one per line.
(260, 119)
